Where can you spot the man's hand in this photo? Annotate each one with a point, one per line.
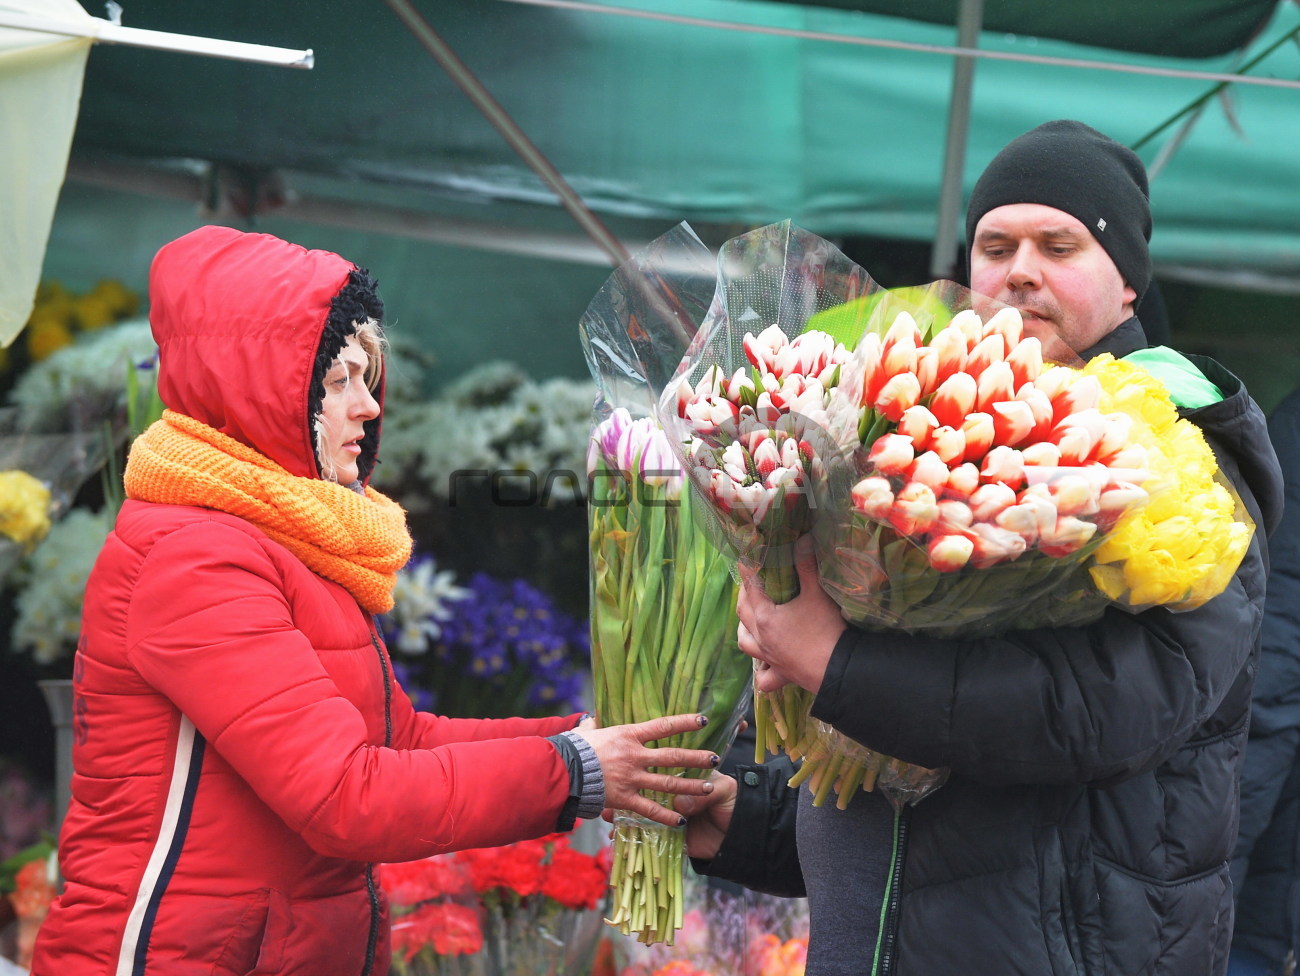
(708, 816)
(790, 643)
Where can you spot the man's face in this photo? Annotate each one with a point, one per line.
(1044, 262)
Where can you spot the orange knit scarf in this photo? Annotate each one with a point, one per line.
(359, 541)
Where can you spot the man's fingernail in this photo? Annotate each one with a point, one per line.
(703, 720)
(714, 760)
(681, 821)
(707, 787)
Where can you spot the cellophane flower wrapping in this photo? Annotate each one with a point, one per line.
(999, 492)
(526, 909)
(763, 411)
(662, 597)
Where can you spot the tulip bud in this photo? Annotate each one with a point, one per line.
(1055, 380)
(1026, 361)
(1042, 454)
(980, 431)
(1067, 535)
(918, 423)
(1013, 422)
(927, 369)
(891, 455)
(903, 331)
(994, 544)
(989, 500)
(949, 553)
(898, 393)
(1115, 434)
(954, 399)
(969, 324)
(954, 515)
(962, 481)
(1075, 444)
(1007, 323)
(1041, 405)
(929, 469)
(1083, 394)
(761, 349)
(989, 350)
(1074, 494)
(873, 370)
(873, 497)
(949, 444)
(1004, 465)
(995, 384)
(949, 346)
(915, 509)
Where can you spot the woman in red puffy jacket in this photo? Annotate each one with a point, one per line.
(243, 754)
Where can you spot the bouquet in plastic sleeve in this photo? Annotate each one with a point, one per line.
(662, 598)
(764, 412)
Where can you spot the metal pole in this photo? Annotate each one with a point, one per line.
(510, 130)
(944, 255)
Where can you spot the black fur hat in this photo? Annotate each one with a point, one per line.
(357, 301)
(1072, 167)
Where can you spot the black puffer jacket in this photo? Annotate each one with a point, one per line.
(1091, 811)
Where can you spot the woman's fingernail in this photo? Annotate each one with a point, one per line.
(708, 787)
(681, 821)
(714, 760)
(703, 720)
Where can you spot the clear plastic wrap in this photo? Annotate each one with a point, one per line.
(662, 598)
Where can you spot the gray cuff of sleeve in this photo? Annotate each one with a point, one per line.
(592, 800)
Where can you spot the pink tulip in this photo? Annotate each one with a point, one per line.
(970, 325)
(766, 459)
(954, 399)
(1075, 444)
(915, 509)
(994, 385)
(891, 455)
(761, 349)
(1041, 406)
(962, 481)
(930, 470)
(1115, 434)
(898, 393)
(1113, 503)
(987, 501)
(1042, 454)
(927, 369)
(1026, 360)
(1083, 394)
(954, 515)
(1005, 465)
(989, 350)
(873, 371)
(684, 395)
(1007, 323)
(1068, 535)
(1074, 494)
(949, 346)
(1013, 422)
(711, 413)
(918, 423)
(1055, 380)
(994, 544)
(949, 444)
(949, 553)
(979, 431)
(874, 498)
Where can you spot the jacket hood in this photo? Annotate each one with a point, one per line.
(238, 318)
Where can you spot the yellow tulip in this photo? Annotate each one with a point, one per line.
(1152, 578)
(24, 507)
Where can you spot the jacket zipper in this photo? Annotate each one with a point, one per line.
(887, 936)
(372, 890)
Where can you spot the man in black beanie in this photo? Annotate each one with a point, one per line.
(1058, 226)
(1090, 810)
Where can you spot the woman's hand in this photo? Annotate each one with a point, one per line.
(708, 816)
(790, 643)
(625, 762)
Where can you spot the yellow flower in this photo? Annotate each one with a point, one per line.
(24, 507)
(45, 335)
(1184, 545)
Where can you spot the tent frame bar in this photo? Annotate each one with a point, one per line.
(106, 32)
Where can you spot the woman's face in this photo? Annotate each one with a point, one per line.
(348, 404)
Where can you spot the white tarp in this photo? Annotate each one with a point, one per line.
(40, 89)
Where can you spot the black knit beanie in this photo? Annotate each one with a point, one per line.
(357, 301)
(1074, 168)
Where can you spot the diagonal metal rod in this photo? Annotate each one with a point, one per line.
(807, 35)
(510, 130)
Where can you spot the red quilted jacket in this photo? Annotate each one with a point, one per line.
(242, 752)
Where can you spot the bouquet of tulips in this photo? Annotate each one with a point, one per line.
(662, 598)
